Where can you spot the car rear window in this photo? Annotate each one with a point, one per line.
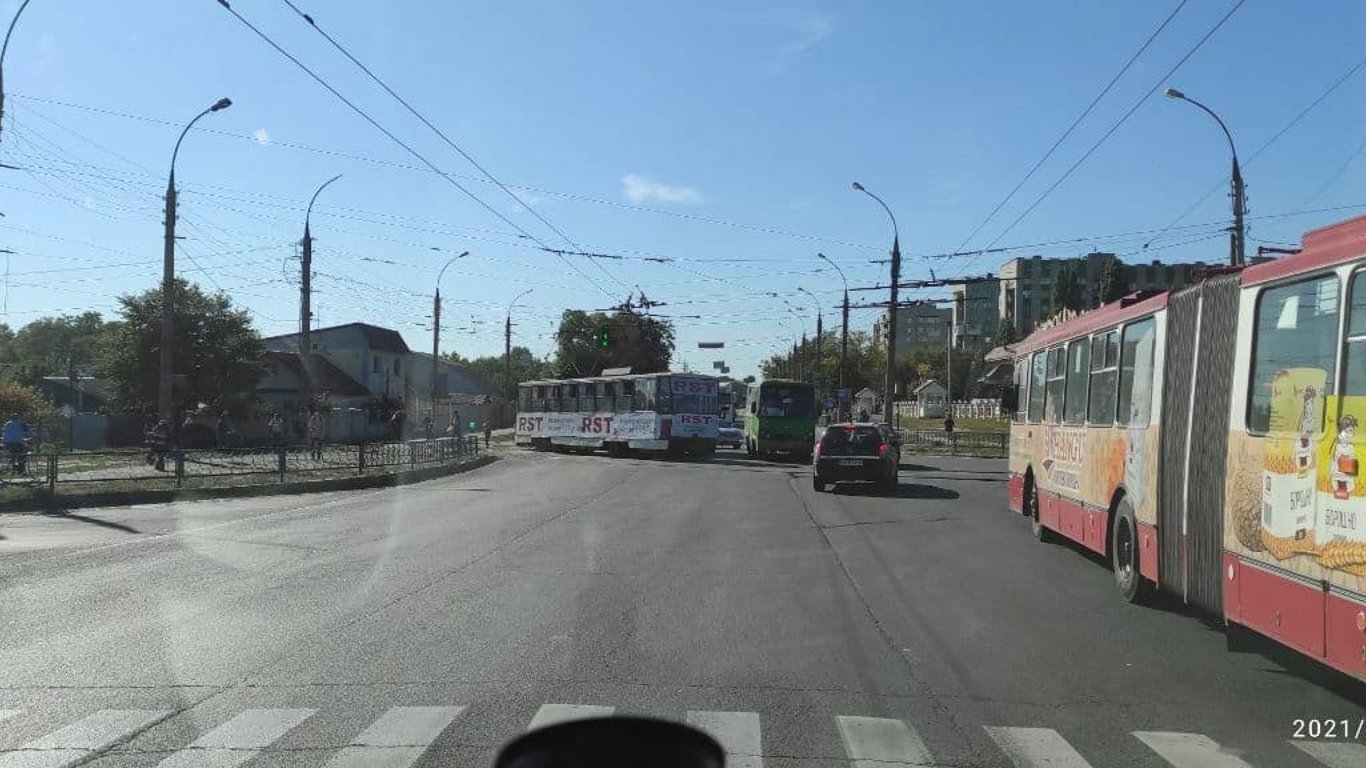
(851, 441)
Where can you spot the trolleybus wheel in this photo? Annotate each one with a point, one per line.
(1124, 553)
(1031, 503)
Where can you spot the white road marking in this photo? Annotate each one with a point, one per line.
(1189, 750)
(239, 739)
(550, 714)
(1036, 748)
(736, 732)
(1334, 754)
(76, 741)
(877, 742)
(397, 739)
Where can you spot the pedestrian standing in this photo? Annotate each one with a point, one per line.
(488, 434)
(458, 432)
(429, 427)
(315, 434)
(221, 430)
(277, 430)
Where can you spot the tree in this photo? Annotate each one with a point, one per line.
(588, 343)
(1006, 333)
(216, 350)
(493, 368)
(1114, 282)
(31, 406)
(1067, 290)
(57, 346)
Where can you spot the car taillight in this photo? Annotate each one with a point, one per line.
(882, 450)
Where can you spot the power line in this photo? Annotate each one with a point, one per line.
(697, 218)
(366, 116)
(1105, 136)
(1065, 134)
(1274, 138)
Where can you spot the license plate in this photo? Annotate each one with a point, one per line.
(851, 462)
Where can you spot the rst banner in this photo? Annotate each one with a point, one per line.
(624, 426)
(680, 385)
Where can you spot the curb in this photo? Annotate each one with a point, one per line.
(42, 503)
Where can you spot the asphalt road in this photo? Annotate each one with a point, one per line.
(428, 624)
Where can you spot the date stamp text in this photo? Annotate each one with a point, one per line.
(1326, 729)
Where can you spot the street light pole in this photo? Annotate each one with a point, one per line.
(507, 347)
(436, 322)
(889, 382)
(1237, 247)
(820, 329)
(844, 316)
(168, 272)
(306, 301)
(3, 49)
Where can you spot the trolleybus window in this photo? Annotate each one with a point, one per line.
(1037, 385)
(1136, 373)
(1021, 392)
(1104, 370)
(1078, 369)
(1354, 358)
(1057, 382)
(1296, 328)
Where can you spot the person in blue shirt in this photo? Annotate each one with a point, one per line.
(14, 435)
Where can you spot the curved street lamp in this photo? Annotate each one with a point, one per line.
(889, 380)
(820, 332)
(168, 271)
(1237, 253)
(3, 49)
(844, 316)
(306, 298)
(507, 346)
(436, 320)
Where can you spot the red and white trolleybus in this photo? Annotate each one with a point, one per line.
(653, 412)
(1207, 440)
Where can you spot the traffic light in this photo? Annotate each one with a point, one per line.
(604, 339)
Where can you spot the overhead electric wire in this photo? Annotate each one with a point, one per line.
(1166, 76)
(1065, 134)
(1274, 138)
(406, 167)
(394, 138)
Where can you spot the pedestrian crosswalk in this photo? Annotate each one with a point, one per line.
(400, 736)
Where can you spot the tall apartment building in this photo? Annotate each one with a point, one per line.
(1026, 284)
(975, 314)
(919, 325)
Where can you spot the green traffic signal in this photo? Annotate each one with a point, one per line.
(604, 339)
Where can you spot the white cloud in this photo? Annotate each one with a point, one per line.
(532, 200)
(809, 30)
(262, 136)
(639, 189)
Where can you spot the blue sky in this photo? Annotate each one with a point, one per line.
(721, 135)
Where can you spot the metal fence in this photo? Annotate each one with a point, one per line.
(957, 443)
(144, 468)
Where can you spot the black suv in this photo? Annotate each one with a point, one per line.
(856, 452)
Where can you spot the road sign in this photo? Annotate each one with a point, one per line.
(845, 394)
(711, 345)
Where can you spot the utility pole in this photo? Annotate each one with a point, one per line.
(507, 347)
(1237, 249)
(436, 343)
(889, 382)
(168, 275)
(819, 331)
(948, 369)
(844, 336)
(306, 302)
(436, 323)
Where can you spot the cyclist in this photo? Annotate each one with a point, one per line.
(15, 436)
